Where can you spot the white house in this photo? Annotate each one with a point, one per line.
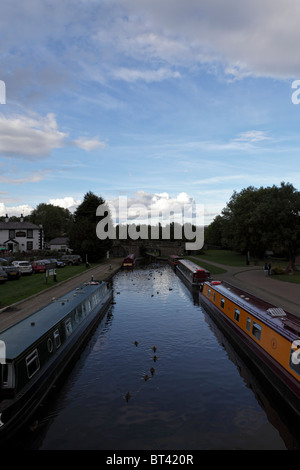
(59, 244)
(20, 236)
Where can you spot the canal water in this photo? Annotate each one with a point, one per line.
(158, 374)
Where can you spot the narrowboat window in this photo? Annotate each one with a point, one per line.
(56, 339)
(256, 330)
(248, 325)
(69, 328)
(295, 357)
(214, 296)
(208, 293)
(237, 315)
(32, 363)
(222, 303)
(7, 376)
(50, 345)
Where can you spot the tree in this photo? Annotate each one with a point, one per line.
(259, 219)
(83, 238)
(55, 220)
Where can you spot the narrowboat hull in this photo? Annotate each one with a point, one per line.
(16, 410)
(278, 376)
(193, 274)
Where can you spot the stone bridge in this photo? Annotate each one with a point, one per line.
(122, 248)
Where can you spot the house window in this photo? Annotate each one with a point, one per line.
(256, 330)
(237, 315)
(11, 234)
(29, 233)
(29, 246)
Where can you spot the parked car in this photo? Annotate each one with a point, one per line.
(40, 265)
(71, 259)
(24, 267)
(58, 263)
(11, 271)
(3, 275)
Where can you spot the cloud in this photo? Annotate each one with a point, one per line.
(151, 207)
(34, 177)
(252, 136)
(24, 209)
(89, 144)
(67, 202)
(32, 137)
(131, 75)
(29, 137)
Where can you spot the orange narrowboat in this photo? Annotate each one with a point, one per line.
(268, 335)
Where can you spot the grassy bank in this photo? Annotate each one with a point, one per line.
(14, 291)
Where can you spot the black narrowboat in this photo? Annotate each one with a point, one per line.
(36, 351)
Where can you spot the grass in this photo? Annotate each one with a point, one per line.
(14, 291)
(226, 257)
(231, 258)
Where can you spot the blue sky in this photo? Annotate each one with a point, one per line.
(161, 101)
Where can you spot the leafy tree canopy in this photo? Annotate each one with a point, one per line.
(260, 219)
(83, 238)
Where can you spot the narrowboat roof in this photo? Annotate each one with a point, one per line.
(280, 320)
(26, 332)
(191, 265)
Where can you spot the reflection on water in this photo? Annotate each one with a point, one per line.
(158, 374)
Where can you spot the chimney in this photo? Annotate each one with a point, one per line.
(21, 219)
(6, 218)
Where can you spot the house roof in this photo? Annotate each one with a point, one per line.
(18, 225)
(59, 241)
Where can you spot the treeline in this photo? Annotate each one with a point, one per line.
(254, 221)
(257, 220)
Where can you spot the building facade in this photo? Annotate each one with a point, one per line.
(19, 236)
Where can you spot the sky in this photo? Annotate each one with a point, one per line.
(159, 102)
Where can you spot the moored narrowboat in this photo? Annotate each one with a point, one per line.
(267, 334)
(36, 351)
(129, 261)
(192, 272)
(173, 260)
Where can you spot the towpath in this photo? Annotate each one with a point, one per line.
(18, 311)
(252, 279)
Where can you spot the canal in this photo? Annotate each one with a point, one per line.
(158, 374)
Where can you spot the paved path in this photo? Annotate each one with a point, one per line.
(252, 279)
(16, 312)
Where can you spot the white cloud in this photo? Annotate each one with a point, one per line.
(34, 177)
(24, 209)
(89, 144)
(67, 202)
(131, 75)
(252, 136)
(30, 137)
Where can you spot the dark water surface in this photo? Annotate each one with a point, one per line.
(198, 394)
